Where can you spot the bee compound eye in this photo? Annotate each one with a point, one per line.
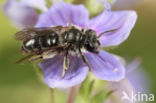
(90, 47)
(90, 35)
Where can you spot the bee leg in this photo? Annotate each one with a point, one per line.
(65, 64)
(33, 59)
(24, 58)
(84, 59)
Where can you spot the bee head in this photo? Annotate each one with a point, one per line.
(91, 42)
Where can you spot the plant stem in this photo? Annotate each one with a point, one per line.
(52, 95)
(72, 95)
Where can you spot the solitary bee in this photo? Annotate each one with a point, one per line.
(44, 43)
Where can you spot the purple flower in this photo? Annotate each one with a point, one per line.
(136, 83)
(38, 4)
(21, 13)
(139, 80)
(103, 65)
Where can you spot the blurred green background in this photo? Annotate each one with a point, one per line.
(20, 84)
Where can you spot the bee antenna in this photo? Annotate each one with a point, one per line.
(113, 30)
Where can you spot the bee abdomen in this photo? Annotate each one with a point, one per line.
(39, 43)
(31, 45)
(72, 36)
(49, 41)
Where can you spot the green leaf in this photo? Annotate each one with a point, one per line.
(85, 91)
(93, 85)
(90, 88)
(80, 99)
(86, 88)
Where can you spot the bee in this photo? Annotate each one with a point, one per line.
(46, 42)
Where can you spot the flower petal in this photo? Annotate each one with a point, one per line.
(123, 21)
(139, 79)
(105, 66)
(121, 88)
(62, 13)
(52, 72)
(21, 16)
(39, 4)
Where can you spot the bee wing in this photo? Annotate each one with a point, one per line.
(31, 32)
(25, 33)
(60, 29)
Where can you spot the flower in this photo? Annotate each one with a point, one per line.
(103, 65)
(136, 83)
(20, 14)
(139, 80)
(38, 4)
